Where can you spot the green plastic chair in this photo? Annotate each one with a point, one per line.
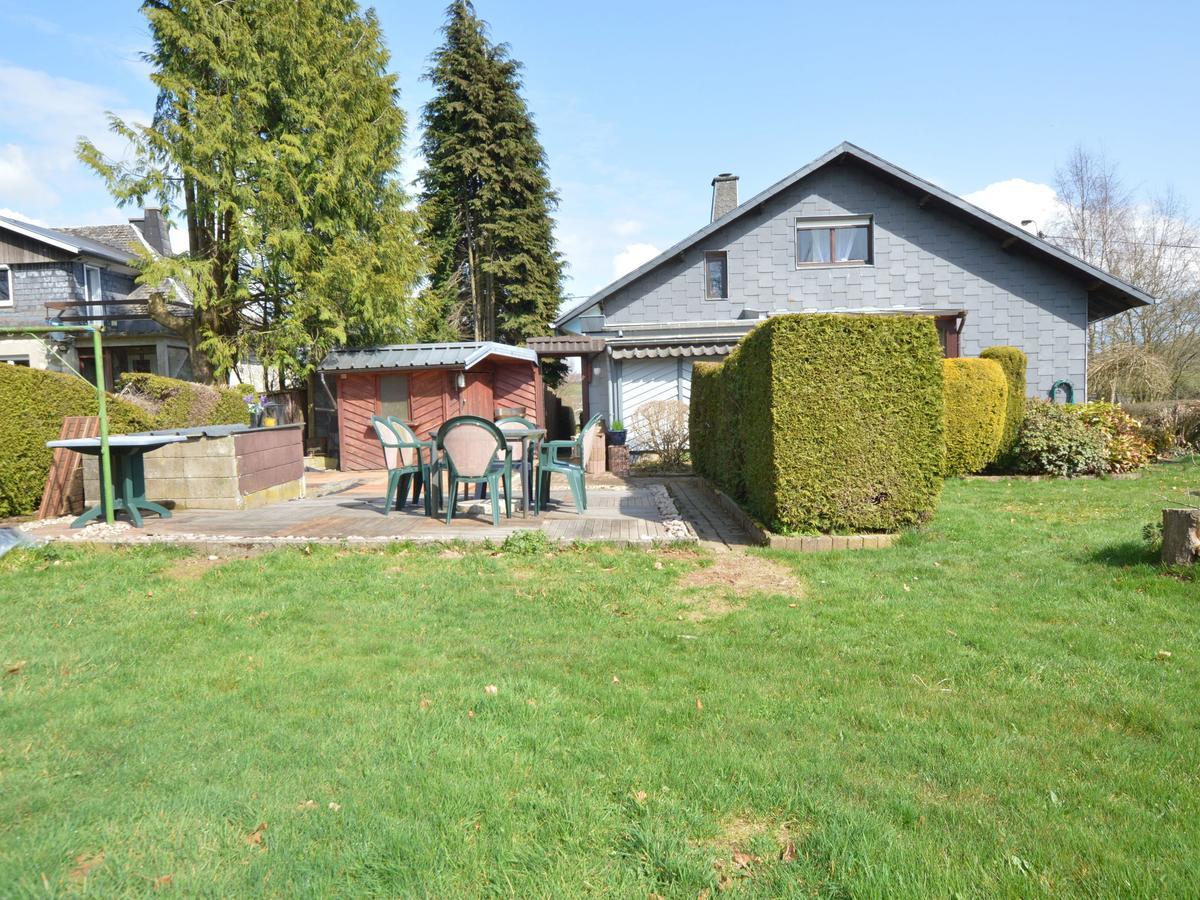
(403, 460)
(574, 472)
(429, 469)
(519, 460)
(470, 447)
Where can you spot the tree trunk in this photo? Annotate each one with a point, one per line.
(1181, 536)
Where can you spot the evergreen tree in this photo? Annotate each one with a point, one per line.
(486, 199)
(277, 130)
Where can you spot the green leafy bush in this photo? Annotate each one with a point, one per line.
(33, 404)
(1128, 449)
(976, 393)
(184, 404)
(1014, 363)
(827, 423)
(1055, 441)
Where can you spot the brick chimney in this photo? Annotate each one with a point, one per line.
(724, 194)
(154, 228)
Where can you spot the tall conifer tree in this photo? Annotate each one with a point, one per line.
(278, 135)
(486, 199)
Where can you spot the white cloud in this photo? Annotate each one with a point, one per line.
(627, 227)
(1016, 200)
(20, 216)
(631, 257)
(42, 117)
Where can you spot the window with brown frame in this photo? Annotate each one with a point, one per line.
(716, 275)
(833, 242)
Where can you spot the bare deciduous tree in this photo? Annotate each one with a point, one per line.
(662, 427)
(1153, 243)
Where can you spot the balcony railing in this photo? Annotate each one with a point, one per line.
(106, 312)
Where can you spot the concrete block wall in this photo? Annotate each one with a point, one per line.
(206, 473)
(923, 257)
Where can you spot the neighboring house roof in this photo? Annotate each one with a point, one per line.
(123, 236)
(1113, 294)
(464, 354)
(70, 241)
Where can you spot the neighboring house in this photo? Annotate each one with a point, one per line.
(848, 233)
(88, 275)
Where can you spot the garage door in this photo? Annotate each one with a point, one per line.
(644, 380)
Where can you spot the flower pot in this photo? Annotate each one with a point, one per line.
(616, 438)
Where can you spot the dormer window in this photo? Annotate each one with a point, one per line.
(716, 275)
(833, 242)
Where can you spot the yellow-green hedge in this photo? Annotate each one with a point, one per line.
(1014, 362)
(33, 404)
(826, 423)
(976, 401)
(185, 404)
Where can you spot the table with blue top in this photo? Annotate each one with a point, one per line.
(129, 474)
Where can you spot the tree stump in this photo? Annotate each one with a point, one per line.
(1181, 536)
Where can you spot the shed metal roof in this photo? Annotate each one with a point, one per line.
(453, 355)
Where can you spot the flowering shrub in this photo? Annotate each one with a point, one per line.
(1055, 441)
(1127, 447)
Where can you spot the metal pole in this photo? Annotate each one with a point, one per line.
(106, 485)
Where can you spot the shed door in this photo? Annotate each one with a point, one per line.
(477, 395)
(646, 380)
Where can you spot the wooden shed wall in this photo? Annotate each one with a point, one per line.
(433, 397)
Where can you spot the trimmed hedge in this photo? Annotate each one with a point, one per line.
(33, 404)
(1014, 363)
(184, 404)
(976, 401)
(826, 423)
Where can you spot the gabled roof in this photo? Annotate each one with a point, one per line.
(457, 354)
(123, 236)
(1111, 293)
(69, 241)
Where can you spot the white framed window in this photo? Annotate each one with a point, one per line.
(93, 293)
(6, 287)
(841, 241)
(716, 275)
(14, 361)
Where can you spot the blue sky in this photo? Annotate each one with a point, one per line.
(641, 103)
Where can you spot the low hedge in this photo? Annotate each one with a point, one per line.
(827, 423)
(976, 395)
(184, 404)
(1014, 362)
(33, 404)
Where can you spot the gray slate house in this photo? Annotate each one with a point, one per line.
(848, 233)
(88, 274)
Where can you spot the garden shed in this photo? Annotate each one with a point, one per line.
(424, 385)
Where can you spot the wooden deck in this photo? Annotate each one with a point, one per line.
(348, 507)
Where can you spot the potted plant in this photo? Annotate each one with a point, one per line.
(616, 434)
(254, 403)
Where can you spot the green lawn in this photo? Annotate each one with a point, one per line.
(986, 709)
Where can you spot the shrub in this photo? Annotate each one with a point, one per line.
(183, 404)
(1170, 426)
(976, 399)
(661, 427)
(33, 404)
(826, 422)
(1055, 441)
(1128, 448)
(1014, 362)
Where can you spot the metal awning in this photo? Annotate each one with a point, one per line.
(565, 345)
(458, 354)
(676, 351)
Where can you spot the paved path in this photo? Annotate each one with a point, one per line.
(348, 506)
(715, 528)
